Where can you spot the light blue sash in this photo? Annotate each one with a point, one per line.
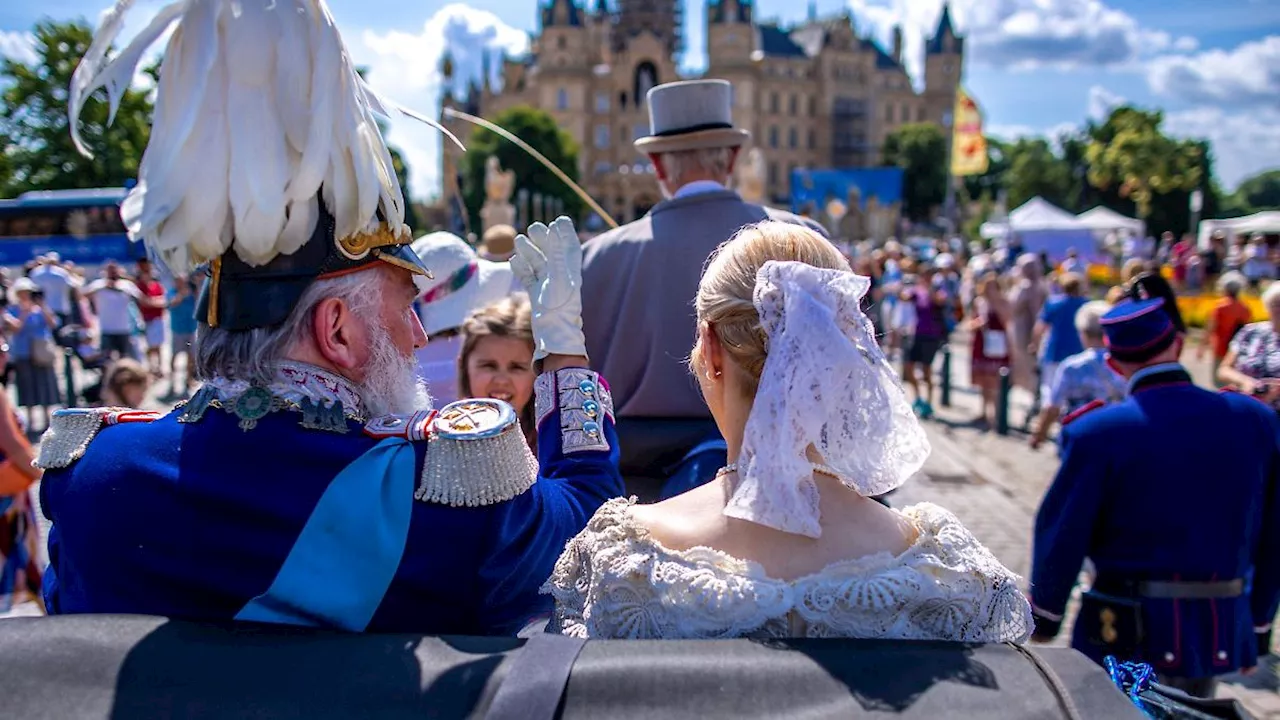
(347, 554)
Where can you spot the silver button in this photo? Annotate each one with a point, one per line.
(1168, 657)
(591, 408)
(592, 429)
(587, 387)
(1222, 654)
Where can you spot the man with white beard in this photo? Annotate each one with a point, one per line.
(307, 481)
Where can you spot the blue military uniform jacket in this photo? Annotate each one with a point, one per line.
(267, 507)
(1174, 483)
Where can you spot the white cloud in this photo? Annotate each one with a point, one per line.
(20, 46)
(1248, 75)
(405, 67)
(1101, 102)
(1243, 143)
(1023, 34)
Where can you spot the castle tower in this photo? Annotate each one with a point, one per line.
(730, 34)
(943, 60)
(663, 18)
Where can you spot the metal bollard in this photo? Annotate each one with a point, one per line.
(69, 375)
(945, 381)
(1002, 403)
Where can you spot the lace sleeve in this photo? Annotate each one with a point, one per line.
(581, 572)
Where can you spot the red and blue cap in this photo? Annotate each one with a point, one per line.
(1138, 330)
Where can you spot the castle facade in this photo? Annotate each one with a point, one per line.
(814, 95)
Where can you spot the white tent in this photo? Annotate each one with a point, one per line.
(1104, 220)
(1267, 222)
(1044, 227)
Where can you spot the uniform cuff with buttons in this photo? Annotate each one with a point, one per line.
(584, 403)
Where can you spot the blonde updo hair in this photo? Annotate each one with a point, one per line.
(725, 299)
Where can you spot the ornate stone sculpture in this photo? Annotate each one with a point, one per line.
(498, 184)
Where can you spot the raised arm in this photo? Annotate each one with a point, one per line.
(577, 445)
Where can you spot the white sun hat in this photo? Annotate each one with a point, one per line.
(464, 282)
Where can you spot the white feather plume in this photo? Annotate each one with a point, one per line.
(259, 110)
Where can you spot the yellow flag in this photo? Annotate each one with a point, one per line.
(968, 144)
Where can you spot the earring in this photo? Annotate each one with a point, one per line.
(713, 377)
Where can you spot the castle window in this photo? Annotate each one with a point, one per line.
(888, 113)
(792, 107)
(773, 102)
(562, 99)
(603, 167)
(905, 113)
(792, 139)
(602, 136)
(773, 136)
(646, 77)
(773, 173)
(813, 106)
(622, 100)
(602, 102)
(813, 139)
(920, 114)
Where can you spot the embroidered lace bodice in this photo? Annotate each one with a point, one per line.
(615, 581)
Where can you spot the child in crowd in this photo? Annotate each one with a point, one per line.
(125, 384)
(496, 360)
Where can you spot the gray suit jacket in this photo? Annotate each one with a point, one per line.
(638, 286)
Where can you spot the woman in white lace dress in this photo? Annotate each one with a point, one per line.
(786, 540)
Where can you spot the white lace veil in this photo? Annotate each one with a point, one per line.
(825, 383)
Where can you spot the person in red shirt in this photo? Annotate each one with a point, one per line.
(152, 317)
(1180, 254)
(1226, 318)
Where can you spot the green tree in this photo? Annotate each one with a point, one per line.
(921, 151)
(1129, 154)
(35, 127)
(1257, 193)
(1034, 169)
(540, 130)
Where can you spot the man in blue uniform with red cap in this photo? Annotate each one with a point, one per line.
(308, 481)
(1184, 534)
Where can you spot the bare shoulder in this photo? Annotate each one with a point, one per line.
(684, 521)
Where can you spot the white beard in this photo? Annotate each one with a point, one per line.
(391, 383)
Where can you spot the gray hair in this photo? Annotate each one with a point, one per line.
(681, 164)
(252, 355)
(1232, 282)
(1089, 318)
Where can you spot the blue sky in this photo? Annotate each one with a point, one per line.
(1036, 66)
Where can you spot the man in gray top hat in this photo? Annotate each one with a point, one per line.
(639, 280)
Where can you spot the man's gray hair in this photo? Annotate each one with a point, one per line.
(252, 355)
(1089, 318)
(681, 164)
(1232, 282)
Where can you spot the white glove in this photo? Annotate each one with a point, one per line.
(548, 263)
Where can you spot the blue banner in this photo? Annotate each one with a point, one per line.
(92, 250)
(811, 190)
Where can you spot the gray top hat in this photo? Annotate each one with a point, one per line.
(691, 115)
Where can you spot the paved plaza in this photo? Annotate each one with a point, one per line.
(994, 483)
